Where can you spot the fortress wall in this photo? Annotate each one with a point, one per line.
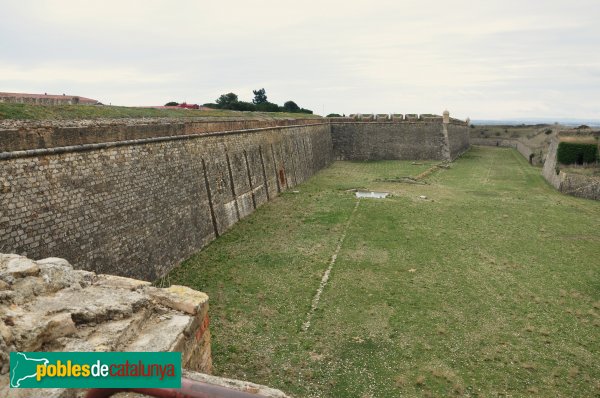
(62, 134)
(549, 170)
(569, 183)
(387, 140)
(458, 139)
(523, 149)
(414, 140)
(500, 142)
(138, 208)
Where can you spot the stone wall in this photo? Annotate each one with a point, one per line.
(569, 183)
(30, 135)
(398, 139)
(138, 207)
(458, 139)
(523, 149)
(44, 99)
(46, 305)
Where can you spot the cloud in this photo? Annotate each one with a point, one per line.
(484, 60)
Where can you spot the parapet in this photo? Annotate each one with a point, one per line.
(398, 117)
(23, 135)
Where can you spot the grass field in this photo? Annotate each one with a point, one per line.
(10, 111)
(489, 287)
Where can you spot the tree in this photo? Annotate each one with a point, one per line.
(334, 115)
(171, 103)
(227, 101)
(243, 106)
(260, 96)
(291, 106)
(267, 107)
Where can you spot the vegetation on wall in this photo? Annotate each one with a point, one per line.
(576, 153)
(11, 111)
(259, 103)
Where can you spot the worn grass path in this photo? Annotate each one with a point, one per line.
(490, 287)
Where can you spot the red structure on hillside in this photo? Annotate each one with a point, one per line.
(188, 106)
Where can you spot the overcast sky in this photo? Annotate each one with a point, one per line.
(483, 59)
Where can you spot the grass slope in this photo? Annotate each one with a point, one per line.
(490, 287)
(45, 112)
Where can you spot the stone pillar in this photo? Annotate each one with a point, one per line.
(446, 116)
(446, 140)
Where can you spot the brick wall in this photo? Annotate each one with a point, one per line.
(458, 139)
(137, 208)
(404, 140)
(569, 183)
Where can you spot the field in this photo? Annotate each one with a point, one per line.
(488, 287)
(10, 111)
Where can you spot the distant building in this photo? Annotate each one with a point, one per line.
(46, 99)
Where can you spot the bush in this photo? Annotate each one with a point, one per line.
(243, 106)
(172, 103)
(576, 153)
(267, 107)
(226, 101)
(334, 115)
(291, 106)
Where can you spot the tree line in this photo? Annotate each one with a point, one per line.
(259, 103)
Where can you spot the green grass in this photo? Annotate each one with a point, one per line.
(588, 170)
(490, 287)
(45, 112)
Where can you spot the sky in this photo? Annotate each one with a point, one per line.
(479, 59)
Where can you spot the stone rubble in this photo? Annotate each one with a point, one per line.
(47, 305)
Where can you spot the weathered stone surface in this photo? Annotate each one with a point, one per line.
(120, 282)
(12, 268)
(569, 183)
(238, 385)
(180, 298)
(158, 336)
(409, 139)
(55, 308)
(31, 330)
(138, 209)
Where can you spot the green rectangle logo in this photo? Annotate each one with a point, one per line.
(95, 370)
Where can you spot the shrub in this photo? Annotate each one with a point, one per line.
(243, 106)
(334, 115)
(172, 103)
(291, 106)
(267, 107)
(579, 153)
(226, 101)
